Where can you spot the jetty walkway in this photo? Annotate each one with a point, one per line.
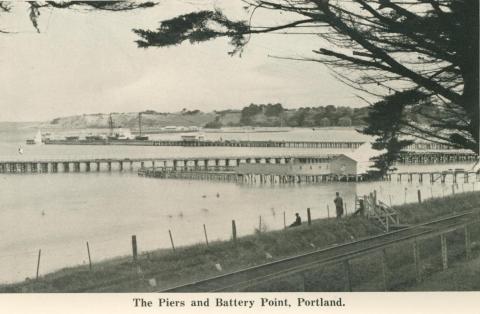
(208, 143)
(87, 164)
(219, 168)
(229, 173)
(435, 176)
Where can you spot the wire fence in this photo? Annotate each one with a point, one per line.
(33, 263)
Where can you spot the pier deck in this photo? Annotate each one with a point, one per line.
(207, 143)
(178, 164)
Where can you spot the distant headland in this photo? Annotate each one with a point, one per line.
(255, 115)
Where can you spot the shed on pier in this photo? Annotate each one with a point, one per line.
(296, 166)
(343, 165)
(357, 162)
(348, 164)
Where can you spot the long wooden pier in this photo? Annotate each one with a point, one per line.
(411, 156)
(67, 165)
(436, 157)
(435, 176)
(208, 143)
(176, 164)
(228, 173)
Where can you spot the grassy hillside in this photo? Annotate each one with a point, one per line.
(195, 262)
(463, 276)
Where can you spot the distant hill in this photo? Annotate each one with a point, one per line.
(150, 120)
(269, 115)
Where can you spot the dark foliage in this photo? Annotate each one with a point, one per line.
(379, 47)
(276, 115)
(385, 120)
(216, 124)
(35, 7)
(194, 27)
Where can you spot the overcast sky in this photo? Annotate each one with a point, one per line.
(87, 62)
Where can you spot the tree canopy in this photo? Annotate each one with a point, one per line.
(383, 48)
(35, 7)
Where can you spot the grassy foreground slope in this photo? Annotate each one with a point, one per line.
(199, 261)
(463, 276)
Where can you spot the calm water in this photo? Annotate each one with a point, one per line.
(58, 213)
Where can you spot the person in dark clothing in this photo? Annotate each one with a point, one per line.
(297, 222)
(338, 205)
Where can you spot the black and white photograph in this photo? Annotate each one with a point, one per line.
(317, 148)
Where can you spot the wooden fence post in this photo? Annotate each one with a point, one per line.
(205, 231)
(134, 247)
(171, 239)
(303, 287)
(387, 222)
(234, 232)
(416, 261)
(309, 217)
(419, 194)
(328, 211)
(260, 224)
(348, 280)
(89, 258)
(284, 221)
(443, 241)
(468, 248)
(384, 269)
(38, 262)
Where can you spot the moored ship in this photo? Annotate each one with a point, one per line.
(37, 140)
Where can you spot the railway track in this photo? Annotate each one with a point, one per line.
(242, 279)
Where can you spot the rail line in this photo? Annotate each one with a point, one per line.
(242, 279)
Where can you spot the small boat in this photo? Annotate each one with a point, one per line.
(93, 138)
(193, 138)
(120, 134)
(140, 137)
(37, 140)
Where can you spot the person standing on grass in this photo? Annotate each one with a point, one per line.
(338, 205)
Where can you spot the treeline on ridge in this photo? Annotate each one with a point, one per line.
(276, 115)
